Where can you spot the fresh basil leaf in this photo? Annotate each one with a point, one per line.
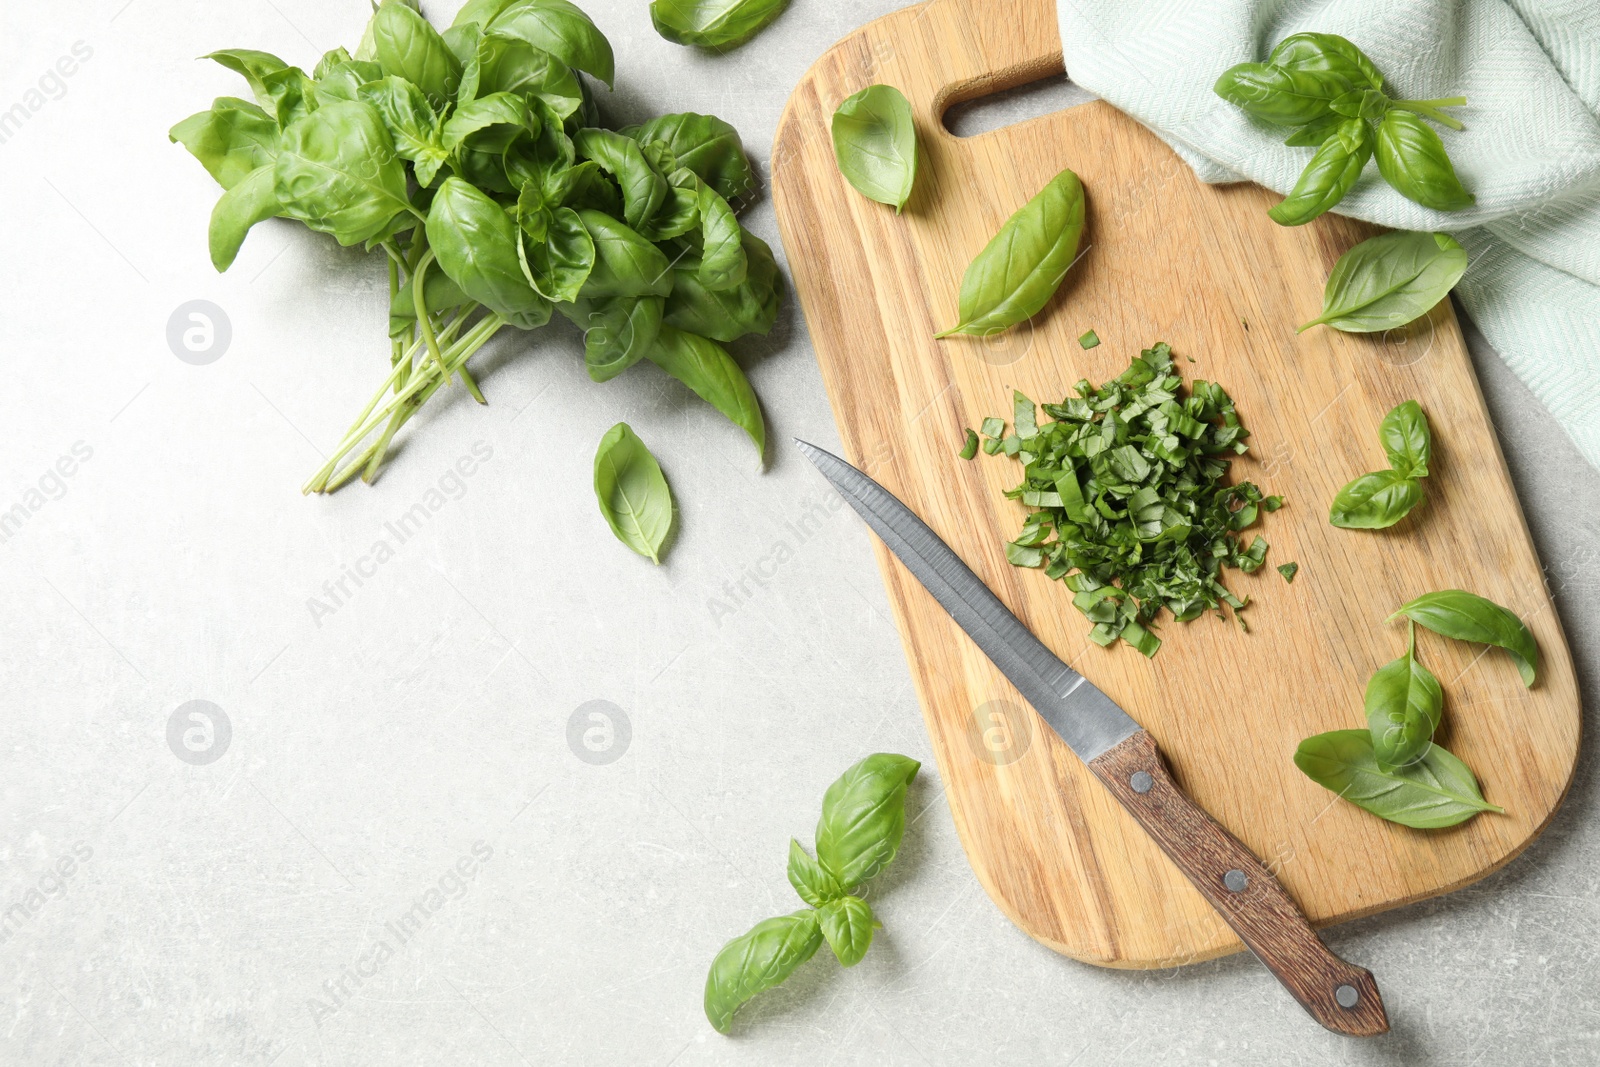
(563, 30)
(1313, 134)
(232, 140)
(407, 46)
(1375, 501)
(1326, 53)
(680, 211)
(706, 368)
(757, 961)
(1407, 441)
(1332, 173)
(875, 143)
(249, 201)
(723, 263)
(719, 24)
(1412, 158)
(637, 505)
(726, 314)
(847, 923)
(809, 878)
(1361, 103)
(625, 264)
(1466, 616)
(475, 242)
(1284, 97)
(253, 66)
(511, 65)
(481, 12)
(1389, 280)
(1015, 276)
(1404, 704)
(344, 82)
(412, 123)
(706, 145)
(496, 109)
(643, 187)
(618, 332)
(293, 94)
(337, 172)
(1289, 570)
(1436, 791)
(864, 818)
(560, 261)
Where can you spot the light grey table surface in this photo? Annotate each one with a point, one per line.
(424, 719)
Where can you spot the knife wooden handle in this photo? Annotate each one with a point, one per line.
(1339, 995)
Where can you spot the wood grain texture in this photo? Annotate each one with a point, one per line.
(1203, 268)
(1244, 892)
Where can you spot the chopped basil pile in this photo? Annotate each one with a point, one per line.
(1135, 510)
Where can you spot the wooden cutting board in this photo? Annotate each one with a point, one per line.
(1204, 269)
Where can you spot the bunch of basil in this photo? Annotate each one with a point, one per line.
(1332, 94)
(476, 161)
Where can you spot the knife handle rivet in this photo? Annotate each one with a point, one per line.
(1348, 996)
(1236, 881)
(1141, 781)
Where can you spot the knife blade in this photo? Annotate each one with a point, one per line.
(1339, 995)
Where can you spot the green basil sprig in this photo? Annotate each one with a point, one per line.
(1437, 790)
(1404, 704)
(863, 822)
(1389, 280)
(632, 492)
(875, 142)
(719, 24)
(1379, 500)
(1328, 89)
(1018, 272)
(1466, 616)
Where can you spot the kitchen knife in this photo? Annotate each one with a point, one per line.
(1340, 996)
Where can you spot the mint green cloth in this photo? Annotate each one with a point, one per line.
(1530, 70)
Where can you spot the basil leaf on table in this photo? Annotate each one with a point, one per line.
(1332, 173)
(706, 145)
(1407, 440)
(1412, 158)
(810, 879)
(636, 503)
(1018, 272)
(249, 201)
(338, 173)
(847, 924)
(231, 140)
(1375, 501)
(757, 961)
(1387, 281)
(875, 143)
(1436, 791)
(1284, 97)
(476, 244)
(864, 818)
(706, 368)
(407, 46)
(1404, 703)
(719, 24)
(1466, 616)
(563, 30)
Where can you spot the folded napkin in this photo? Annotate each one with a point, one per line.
(1530, 70)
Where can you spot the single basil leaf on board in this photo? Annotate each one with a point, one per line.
(1015, 276)
(1404, 703)
(1436, 791)
(1332, 173)
(1468, 617)
(1407, 440)
(706, 145)
(406, 45)
(864, 818)
(875, 143)
(231, 140)
(1325, 52)
(337, 172)
(251, 200)
(707, 369)
(719, 24)
(847, 923)
(635, 501)
(1283, 97)
(1389, 280)
(1411, 157)
(814, 884)
(475, 242)
(412, 124)
(563, 30)
(1375, 501)
(755, 962)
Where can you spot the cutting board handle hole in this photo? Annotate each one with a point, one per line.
(1010, 107)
